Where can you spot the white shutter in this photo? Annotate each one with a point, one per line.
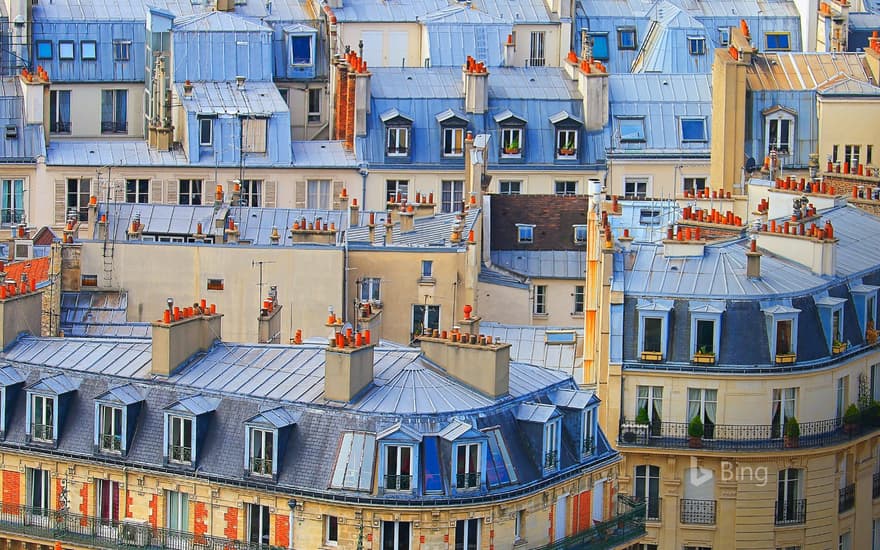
(335, 203)
(269, 194)
(171, 191)
(118, 190)
(60, 201)
(299, 198)
(156, 191)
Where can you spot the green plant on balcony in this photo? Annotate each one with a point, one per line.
(851, 418)
(695, 433)
(792, 432)
(871, 414)
(838, 347)
(870, 333)
(512, 147)
(567, 150)
(704, 355)
(642, 416)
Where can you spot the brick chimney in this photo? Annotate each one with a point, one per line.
(348, 366)
(476, 86)
(21, 308)
(269, 320)
(182, 333)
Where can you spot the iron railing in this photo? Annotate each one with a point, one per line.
(97, 532)
(740, 437)
(401, 482)
(846, 498)
(180, 453)
(262, 466)
(551, 460)
(697, 512)
(791, 512)
(110, 442)
(43, 432)
(467, 480)
(875, 491)
(626, 527)
(652, 507)
(59, 126)
(589, 446)
(114, 127)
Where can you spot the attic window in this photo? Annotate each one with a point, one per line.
(301, 50)
(44, 49)
(65, 50)
(777, 41)
(89, 280)
(559, 337)
(180, 439)
(724, 36)
(632, 129)
(626, 38)
(697, 45)
(42, 418)
(693, 130)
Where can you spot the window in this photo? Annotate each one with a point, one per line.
(396, 535)
(600, 45)
(536, 49)
(703, 404)
(397, 141)
(453, 142)
(566, 144)
(632, 130)
(189, 192)
(425, 317)
(842, 395)
(318, 194)
(427, 269)
(44, 49)
(258, 524)
(540, 305)
(89, 280)
(137, 191)
(694, 185)
(314, 113)
(652, 334)
(396, 190)
(696, 45)
(42, 418)
(589, 432)
(370, 289)
(784, 337)
(107, 497)
(331, 530)
(626, 38)
(789, 507)
(779, 132)
(262, 444)
(869, 150)
(511, 143)
(250, 192)
(121, 50)
(580, 234)
(851, 155)
(635, 188)
(180, 439)
(783, 407)
(11, 201)
(777, 41)
(844, 541)
(206, 131)
(398, 468)
(525, 233)
(551, 444)
(565, 188)
(467, 533)
(508, 187)
(111, 428)
(88, 50)
(693, 130)
(578, 300)
(518, 523)
(78, 191)
(114, 111)
(723, 36)
(215, 284)
(452, 196)
(66, 50)
(176, 510)
(650, 400)
(301, 49)
(254, 135)
(647, 489)
(467, 466)
(59, 111)
(837, 325)
(38, 490)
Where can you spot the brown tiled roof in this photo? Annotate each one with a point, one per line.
(553, 217)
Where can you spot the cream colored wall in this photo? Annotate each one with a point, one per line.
(522, 43)
(308, 280)
(85, 109)
(350, 35)
(665, 179)
(504, 304)
(848, 122)
(302, 129)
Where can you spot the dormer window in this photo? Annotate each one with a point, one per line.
(398, 454)
(467, 448)
(467, 460)
(46, 402)
(453, 126)
(589, 432)
(262, 451)
(782, 325)
(552, 433)
(110, 428)
(865, 302)
(42, 418)
(653, 328)
(543, 422)
(301, 49)
(567, 132)
(264, 443)
(512, 134)
(831, 314)
(705, 330)
(397, 133)
(186, 423)
(779, 129)
(696, 45)
(180, 440)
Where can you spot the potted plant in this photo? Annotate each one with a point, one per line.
(703, 355)
(792, 433)
(838, 347)
(851, 419)
(512, 148)
(567, 150)
(642, 416)
(695, 433)
(870, 333)
(871, 414)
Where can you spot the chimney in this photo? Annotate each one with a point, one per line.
(370, 320)
(319, 232)
(509, 53)
(269, 320)
(407, 224)
(92, 217)
(593, 86)
(753, 261)
(425, 205)
(389, 230)
(35, 96)
(239, 82)
(872, 55)
(348, 366)
(455, 233)
(687, 242)
(232, 231)
(21, 308)
(476, 86)
(187, 89)
(182, 333)
(361, 98)
(814, 247)
(371, 227)
(354, 217)
(473, 359)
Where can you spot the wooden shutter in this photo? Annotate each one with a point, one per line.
(118, 190)
(299, 199)
(156, 195)
(60, 201)
(336, 189)
(171, 191)
(269, 194)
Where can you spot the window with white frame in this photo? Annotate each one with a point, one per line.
(42, 418)
(511, 142)
(631, 129)
(425, 317)
(397, 141)
(693, 184)
(551, 444)
(783, 406)
(451, 196)
(427, 269)
(398, 468)
(519, 525)
(137, 191)
(540, 300)
(509, 187)
(525, 233)
(314, 114)
(206, 131)
(176, 510)
(647, 490)
(110, 429)
(580, 234)
(635, 188)
(589, 432)
(37, 492)
(566, 143)
(467, 534)
(59, 111)
(704, 336)
(319, 194)
(121, 50)
(784, 337)
(650, 400)
(453, 141)
(396, 535)
(696, 45)
(652, 334)
(107, 501)
(78, 192)
(703, 404)
(396, 190)
(653, 327)
(189, 192)
(370, 289)
(723, 36)
(536, 49)
(782, 324)
(851, 155)
(565, 188)
(258, 524)
(331, 530)
(262, 448)
(11, 201)
(467, 465)
(578, 300)
(779, 132)
(789, 492)
(301, 50)
(251, 192)
(831, 310)
(180, 439)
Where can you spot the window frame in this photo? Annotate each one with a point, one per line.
(179, 520)
(568, 188)
(36, 430)
(116, 434)
(551, 444)
(537, 49)
(93, 48)
(626, 31)
(185, 189)
(539, 300)
(393, 530)
(468, 479)
(689, 184)
(525, 233)
(571, 136)
(640, 135)
(777, 118)
(774, 318)
(579, 295)
(170, 420)
(310, 39)
(41, 51)
(580, 233)
(331, 530)
(395, 188)
(450, 136)
(206, 131)
(656, 310)
(778, 36)
(370, 289)
(137, 189)
(121, 50)
(114, 125)
(397, 465)
(314, 114)
(470, 533)
(79, 199)
(724, 36)
(12, 201)
(319, 193)
(56, 125)
(70, 55)
(251, 193)
(395, 134)
(636, 182)
(682, 121)
(510, 187)
(511, 135)
(451, 196)
(268, 438)
(696, 45)
(263, 514)
(427, 269)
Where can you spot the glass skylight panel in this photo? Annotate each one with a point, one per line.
(499, 469)
(631, 129)
(693, 129)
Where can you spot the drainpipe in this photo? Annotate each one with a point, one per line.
(364, 171)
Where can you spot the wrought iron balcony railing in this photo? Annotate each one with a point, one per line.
(43, 432)
(179, 453)
(111, 442)
(791, 512)
(698, 512)
(626, 527)
(846, 498)
(468, 480)
(261, 466)
(400, 482)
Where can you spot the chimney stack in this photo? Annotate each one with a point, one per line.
(389, 230)
(348, 366)
(593, 86)
(21, 307)
(182, 333)
(35, 96)
(354, 218)
(269, 320)
(407, 224)
(476, 86)
(753, 261)
(370, 320)
(509, 52)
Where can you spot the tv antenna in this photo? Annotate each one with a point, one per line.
(260, 263)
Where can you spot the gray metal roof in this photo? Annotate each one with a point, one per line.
(111, 152)
(216, 21)
(219, 98)
(322, 154)
(195, 405)
(856, 232)
(136, 10)
(429, 231)
(279, 417)
(574, 399)
(543, 264)
(496, 277)
(544, 83)
(528, 344)
(58, 384)
(127, 394)
(536, 412)
(9, 376)
(99, 314)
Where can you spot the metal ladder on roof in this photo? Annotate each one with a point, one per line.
(108, 261)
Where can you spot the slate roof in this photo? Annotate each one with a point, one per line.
(430, 231)
(226, 98)
(99, 314)
(543, 264)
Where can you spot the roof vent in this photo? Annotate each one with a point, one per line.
(239, 81)
(11, 131)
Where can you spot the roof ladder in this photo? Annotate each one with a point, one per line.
(108, 261)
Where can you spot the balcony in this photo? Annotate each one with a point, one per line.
(180, 454)
(111, 442)
(551, 460)
(42, 432)
(114, 127)
(261, 466)
(401, 482)
(791, 512)
(627, 527)
(652, 507)
(846, 498)
(697, 512)
(468, 480)
(95, 532)
(742, 437)
(875, 491)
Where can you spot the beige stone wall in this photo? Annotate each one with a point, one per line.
(85, 116)
(848, 122)
(665, 178)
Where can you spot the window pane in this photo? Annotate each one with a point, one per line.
(600, 46)
(693, 129)
(705, 339)
(301, 50)
(632, 129)
(652, 337)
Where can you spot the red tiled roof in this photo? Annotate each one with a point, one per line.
(37, 270)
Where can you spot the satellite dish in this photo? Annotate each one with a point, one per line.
(750, 164)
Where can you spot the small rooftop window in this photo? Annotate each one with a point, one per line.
(631, 129)
(525, 233)
(693, 129)
(44, 49)
(697, 45)
(560, 337)
(776, 41)
(626, 38)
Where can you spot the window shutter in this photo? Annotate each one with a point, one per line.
(156, 191)
(337, 190)
(119, 190)
(60, 201)
(269, 194)
(299, 194)
(171, 191)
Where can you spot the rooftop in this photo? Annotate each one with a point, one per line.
(802, 71)
(429, 231)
